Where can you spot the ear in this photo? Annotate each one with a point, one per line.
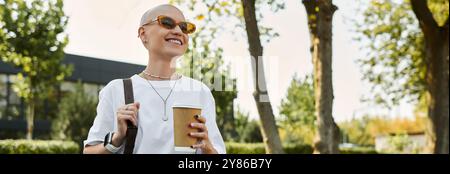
(141, 32)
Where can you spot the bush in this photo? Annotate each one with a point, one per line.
(258, 148)
(38, 147)
(298, 149)
(77, 111)
(358, 150)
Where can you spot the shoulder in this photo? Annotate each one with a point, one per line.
(196, 84)
(202, 89)
(111, 87)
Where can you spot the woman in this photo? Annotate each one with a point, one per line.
(164, 33)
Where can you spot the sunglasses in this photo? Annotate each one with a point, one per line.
(169, 23)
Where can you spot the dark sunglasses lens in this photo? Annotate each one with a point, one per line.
(187, 27)
(167, 22)
(183, 27)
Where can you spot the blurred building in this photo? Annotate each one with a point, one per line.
(94, 73)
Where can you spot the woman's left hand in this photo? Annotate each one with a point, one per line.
(202, 135)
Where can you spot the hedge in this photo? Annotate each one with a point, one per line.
(358, 150)
(69, 147)
(258, 148)
(38, 147)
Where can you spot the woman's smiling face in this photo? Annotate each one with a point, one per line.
(161, 41)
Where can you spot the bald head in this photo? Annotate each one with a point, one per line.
(159, 10)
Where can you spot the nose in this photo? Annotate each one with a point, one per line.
(177, 31)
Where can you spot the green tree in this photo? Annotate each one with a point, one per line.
(76, 113)
(407, 57)
(297, 111)
(248, 130)
(356, 131)
(33, 40)
(320, 18)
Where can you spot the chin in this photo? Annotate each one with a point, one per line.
(174, 53)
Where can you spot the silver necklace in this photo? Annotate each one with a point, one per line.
(165, 117)
(159, 77)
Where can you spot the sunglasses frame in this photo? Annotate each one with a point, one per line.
(160, 17)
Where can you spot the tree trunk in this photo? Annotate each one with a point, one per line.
(269, 129)
(436, 58)
(30, 119)
(320, 15)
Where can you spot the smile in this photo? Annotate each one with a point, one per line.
(175, 41)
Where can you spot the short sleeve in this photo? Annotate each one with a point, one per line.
(213, 130)
(104, 120)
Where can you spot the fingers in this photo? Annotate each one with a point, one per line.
(206, 146)
(128, 112)
(131, 107)
(200, 126)
(203, 130)
(200, 118)
(200, 145)
(199, 135)
(124, 118)
(134, 107)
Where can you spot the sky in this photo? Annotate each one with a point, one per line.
(107, 29)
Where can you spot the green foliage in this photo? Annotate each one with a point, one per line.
(402, 143)
(33, 40)
(395, 63)
(259, 148)
(76, 114)
(399, 142)
(297, 112)
(38, 147)
(394, 44)
(355, 131)
(440, 10)
(358, 150)
(245, 148)
(248, 131)
(362, 131)
(218, 16)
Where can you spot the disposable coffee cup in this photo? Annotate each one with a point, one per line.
(183, 115)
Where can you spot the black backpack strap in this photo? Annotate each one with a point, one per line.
(131, 130)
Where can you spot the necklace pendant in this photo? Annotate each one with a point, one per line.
(165, 117)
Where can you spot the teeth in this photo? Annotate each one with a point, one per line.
(175, 41)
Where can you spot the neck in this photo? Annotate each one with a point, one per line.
(161, 66)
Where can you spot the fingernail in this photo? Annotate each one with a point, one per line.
(192, 146)
(192, 124)
(189, 134)
(196, 116)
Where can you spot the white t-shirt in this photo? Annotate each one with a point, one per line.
(154, 136)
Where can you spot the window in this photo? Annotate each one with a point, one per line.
(3, 94)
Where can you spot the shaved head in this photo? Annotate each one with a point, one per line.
(156, 11)
(160, 40)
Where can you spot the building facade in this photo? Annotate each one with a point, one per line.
(92, 72)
